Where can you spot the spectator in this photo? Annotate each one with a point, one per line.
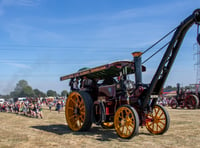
(75, 85)
(39, 109)
(58, 106)
(50, 105)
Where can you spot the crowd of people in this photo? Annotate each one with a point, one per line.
(28, 108)
(58, 104)
(31, 107)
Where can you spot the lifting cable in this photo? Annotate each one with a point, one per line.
(156, 44)
(155, 53)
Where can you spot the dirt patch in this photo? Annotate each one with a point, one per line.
(52, 131)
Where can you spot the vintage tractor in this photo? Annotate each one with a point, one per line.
(195, 89)
(105, 95)
(184, 98)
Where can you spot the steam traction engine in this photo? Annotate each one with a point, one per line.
(108, 98)
(184, 99)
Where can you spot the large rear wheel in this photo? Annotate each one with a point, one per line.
(78, 111)
(191, 101)
(158, 121)
(126, 121)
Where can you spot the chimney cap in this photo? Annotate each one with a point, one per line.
(137, 54)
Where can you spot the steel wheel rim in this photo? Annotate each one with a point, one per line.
(124, 122)
(75, 111)
(190, 102)
(157, 121)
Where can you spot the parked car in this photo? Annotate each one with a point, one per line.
(2, 101)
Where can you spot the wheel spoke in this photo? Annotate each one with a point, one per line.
(159, 126)
(150, 124)
(73, 100)
(82, 107)
(79, 101)
(123, 129)
(70, 108)
(162, 118)
(153, 126)
(156, 112)
(161, 122)
(128, 131)
(161, 114)
(81, 118)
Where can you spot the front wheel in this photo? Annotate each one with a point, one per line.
(126, 121)
(158, 121)
(173, 103)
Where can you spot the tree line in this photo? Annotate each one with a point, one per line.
(23, 89)
(173, 88)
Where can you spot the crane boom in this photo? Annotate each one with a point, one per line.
(169, 56)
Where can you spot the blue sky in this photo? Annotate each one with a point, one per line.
(42, 40)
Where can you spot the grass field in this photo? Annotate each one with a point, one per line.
(52, 131)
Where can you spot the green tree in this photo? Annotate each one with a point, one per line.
(22, 89)
(39, 93)
(64, 93)
(20, 85)
(51, 93)
(14, 94)
(169, 88)
(27, 91)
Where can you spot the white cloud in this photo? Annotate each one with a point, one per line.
(4, 3)
(28, 2)
(20, 3)
(153, 10)
(22, 33)
(18, 65)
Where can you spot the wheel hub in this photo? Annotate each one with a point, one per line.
(156, 120)
(128, 121)
(77, 111)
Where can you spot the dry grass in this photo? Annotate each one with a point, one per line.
(52, 131)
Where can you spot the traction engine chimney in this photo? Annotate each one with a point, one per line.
(138, 67)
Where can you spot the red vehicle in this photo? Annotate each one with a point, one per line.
(195, 89)
(106, 96)
(184, 98)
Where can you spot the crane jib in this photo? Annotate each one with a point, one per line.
(169, 56)
(198, 38)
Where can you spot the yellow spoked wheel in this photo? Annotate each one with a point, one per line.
(158, 121)
(78, 111)
(126, 121)
(107, 125)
